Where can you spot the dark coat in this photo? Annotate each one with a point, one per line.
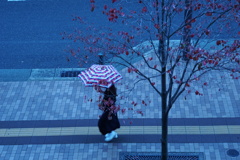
(108, 122)
(107, 125)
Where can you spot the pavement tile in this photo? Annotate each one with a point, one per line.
(36, 103)
(69, 123)
(235, 138)
(177, 138)
(176, 121)
(92, 139)
(52, 123)
(51, 140)
(216, 121)
(38, 140)
(208, 138)
(194, 139)
(233, 121)
(223, 138)
(8, 140)
(44, 123)
(23, 140)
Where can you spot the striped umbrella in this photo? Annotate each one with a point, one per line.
(100, 75)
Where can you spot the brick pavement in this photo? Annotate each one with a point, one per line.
(65, 100)
(68, 99)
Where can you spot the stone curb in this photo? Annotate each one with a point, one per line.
(36, 74)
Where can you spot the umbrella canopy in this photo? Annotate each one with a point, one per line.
(100, 75)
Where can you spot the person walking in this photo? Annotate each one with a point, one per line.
(108, 121)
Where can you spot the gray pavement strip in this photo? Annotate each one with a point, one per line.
(36, 74)
(14, 74)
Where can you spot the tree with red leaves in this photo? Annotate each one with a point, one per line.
(185, 40)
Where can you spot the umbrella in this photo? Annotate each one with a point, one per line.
(100, 75)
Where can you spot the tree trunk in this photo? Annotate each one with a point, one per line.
(162, 53)
(164, 139)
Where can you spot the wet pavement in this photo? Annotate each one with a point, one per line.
(57, 119)
(46, 116)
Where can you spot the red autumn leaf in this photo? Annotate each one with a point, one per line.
(207, 32)
(153, 83)
(188, 26)
(208, 14)
(114, 1)
(123, 111)
(151, 58)
(155, 66)
(239, 32)
(140, 112)
(205, 84)
(157, 26)
(129, 70)
(195, 58)
(144, 9)
(178, 82)
(187, 84)
(193, 20)
(135, 69)
(174, 77)
(197, 93)
(105, 7)
(221, 42)
(112, 10)
(127, 53)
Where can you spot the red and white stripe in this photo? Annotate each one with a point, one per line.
(100, 75)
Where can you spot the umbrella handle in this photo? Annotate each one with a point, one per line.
(98, 89)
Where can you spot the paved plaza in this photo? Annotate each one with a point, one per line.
(57, 118)
(44, 116)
